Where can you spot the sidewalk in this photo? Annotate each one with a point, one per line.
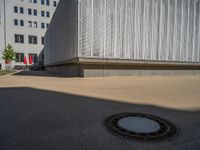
(51, 113)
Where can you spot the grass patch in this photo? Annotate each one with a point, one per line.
(4, 72)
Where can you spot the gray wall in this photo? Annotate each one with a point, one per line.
(62, 36)
(166, 30)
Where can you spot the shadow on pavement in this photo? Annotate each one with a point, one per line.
(32, 119)
(39, 73)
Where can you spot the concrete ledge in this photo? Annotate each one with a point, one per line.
(89, 67)
(126, 62)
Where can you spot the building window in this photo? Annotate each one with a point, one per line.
(19, 57)
(42, 13)
(42, 40)
(32, 39)
(30, 11)
(47, 25)
(34, 57)
(29, 24)
(47, 14)
(42, 2)
(35, 1)
(22, 23)
(35, 24)
(19, 38)
(35, 12)
(15, 22)
(21, 10)
(30, 1)
(47, 2)
(42, 25)
(15, 9)
(54, 3)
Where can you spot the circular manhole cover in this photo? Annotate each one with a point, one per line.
(139, 126)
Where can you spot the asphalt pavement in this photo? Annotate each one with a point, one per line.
(41, 119)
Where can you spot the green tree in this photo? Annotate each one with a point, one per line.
(8, 55)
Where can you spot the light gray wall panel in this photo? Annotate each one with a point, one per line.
(61, 40)
(167, 30)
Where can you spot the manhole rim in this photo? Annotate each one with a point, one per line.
(171, 131)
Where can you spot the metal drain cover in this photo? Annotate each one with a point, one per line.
(139, 126)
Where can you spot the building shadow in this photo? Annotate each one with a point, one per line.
(39, 73)
(33, 119)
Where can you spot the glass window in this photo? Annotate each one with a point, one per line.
(35, 12)
(47, 14)
(32, 39)
(42, 40)
(47, 2)
(47, 26)
(29, 23)
(42, 25)
(42, 2)
(21, 22)
(19, 38)
(15, 9)
(35, 24)
(19, 57)
(34, 57)
(15, 22)
(54, 3)
(30, 11)
(42, 13)
(21, 10)
(35, 1)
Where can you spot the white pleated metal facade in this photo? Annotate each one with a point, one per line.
(167, 30)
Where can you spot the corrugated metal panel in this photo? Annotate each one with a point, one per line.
(61, 39)
(140, 29)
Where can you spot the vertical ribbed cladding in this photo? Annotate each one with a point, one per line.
(167, 30)
(62, 36)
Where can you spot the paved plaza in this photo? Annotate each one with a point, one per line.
(39, 111)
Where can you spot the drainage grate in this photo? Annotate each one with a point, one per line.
(140, 126)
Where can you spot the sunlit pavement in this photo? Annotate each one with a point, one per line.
(39, 111)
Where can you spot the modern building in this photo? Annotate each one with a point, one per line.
(124, 37)
(23, 24)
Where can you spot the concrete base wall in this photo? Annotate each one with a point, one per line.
(87, 68)
(109, 73)
(66, 70)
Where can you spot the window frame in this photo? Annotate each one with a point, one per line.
(55, 3)
(21, 10)
(16, 22)
(19, 57)
(47, 14)
(32, 39)
(15, 9)
(29, 11)
(21, 23)
(19, 38)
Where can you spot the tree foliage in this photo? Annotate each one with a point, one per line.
(8, 54)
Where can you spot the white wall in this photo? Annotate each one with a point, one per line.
(167, 30)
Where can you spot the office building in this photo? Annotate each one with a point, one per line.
(23, 24)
